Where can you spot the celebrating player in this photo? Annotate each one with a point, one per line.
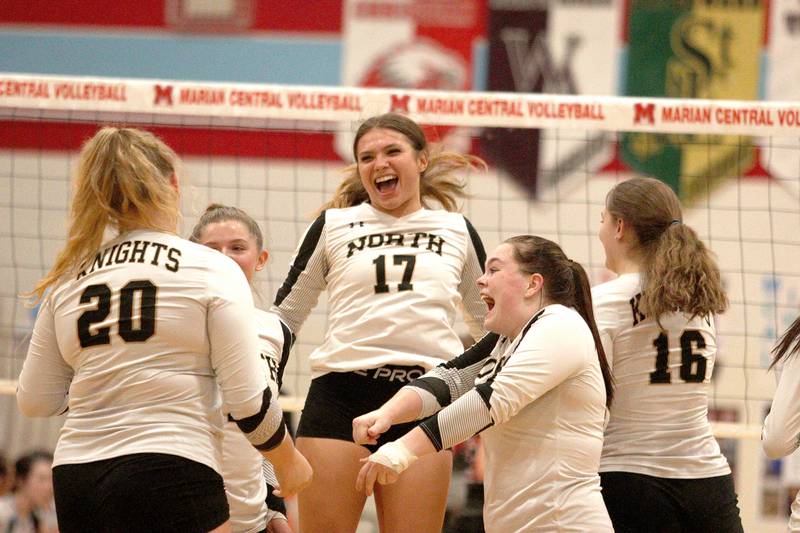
(661, 469)
(249, 478)
(537, 387)
(782, 425)
(134, 340)
(396, 272)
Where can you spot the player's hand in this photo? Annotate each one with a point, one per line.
(293, 475)
(384, 466)
(370, 473)
(368, 427)
(279, 524)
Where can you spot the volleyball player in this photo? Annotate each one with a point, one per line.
(536, 388)
(249, 478)
(662, 469)
(396, 272)
(134, 340)
(781, 433)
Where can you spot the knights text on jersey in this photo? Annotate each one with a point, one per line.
(539, 402)
(658, 422)
(138, 346)
(394, 286)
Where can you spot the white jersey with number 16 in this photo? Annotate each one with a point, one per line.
(658, 423)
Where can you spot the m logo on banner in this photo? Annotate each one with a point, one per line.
(163, 94)
(399, 104)
(644, 113)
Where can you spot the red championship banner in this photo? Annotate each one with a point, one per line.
(410, 44)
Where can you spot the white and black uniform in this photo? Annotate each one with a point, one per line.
(394, 286)
(780, 435)
(137, 347)
(245, 471)
(658, 424)
(539, 401)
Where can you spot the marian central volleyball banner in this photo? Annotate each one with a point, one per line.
(242, 104)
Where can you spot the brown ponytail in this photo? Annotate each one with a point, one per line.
(565, 283)
(679, 274)
(784, 346)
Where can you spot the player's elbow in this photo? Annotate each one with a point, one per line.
(776, 447)
(264, 429)
(34, 406)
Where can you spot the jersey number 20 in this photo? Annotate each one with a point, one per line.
(147, 322)
(693, 365)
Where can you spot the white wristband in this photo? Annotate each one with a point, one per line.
(394, 455)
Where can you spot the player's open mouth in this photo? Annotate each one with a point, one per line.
(488, 301)
(386, 183)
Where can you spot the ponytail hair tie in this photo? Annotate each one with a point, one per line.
(674, 221)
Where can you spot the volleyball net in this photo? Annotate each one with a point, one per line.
(277, 151)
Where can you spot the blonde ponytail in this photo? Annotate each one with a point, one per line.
(123, 180)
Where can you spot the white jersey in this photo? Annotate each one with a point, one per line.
(138, 346)
(540, 401)
(394, 286)
(244, 470)
(781, 433)
(658, 423)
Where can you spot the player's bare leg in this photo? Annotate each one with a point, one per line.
(417, 501)
(331, 503)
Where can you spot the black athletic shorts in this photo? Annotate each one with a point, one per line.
(144, 492)
(336, 398)
(637, 502)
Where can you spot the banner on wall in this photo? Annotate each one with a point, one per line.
(782, 75)
(682, 49)
(549, 46)
(409, 44)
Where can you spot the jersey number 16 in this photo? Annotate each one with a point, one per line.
(693, 365)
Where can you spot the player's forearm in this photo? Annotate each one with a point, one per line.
(418, 442)
(281, 454)
(405, 406)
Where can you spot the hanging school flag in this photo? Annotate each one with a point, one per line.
(550, 46)
(409, 44)
(782, 73)
(680, 49)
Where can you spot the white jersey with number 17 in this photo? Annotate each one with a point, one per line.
(395, 285)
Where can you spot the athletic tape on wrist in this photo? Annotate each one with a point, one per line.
(394, 455)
